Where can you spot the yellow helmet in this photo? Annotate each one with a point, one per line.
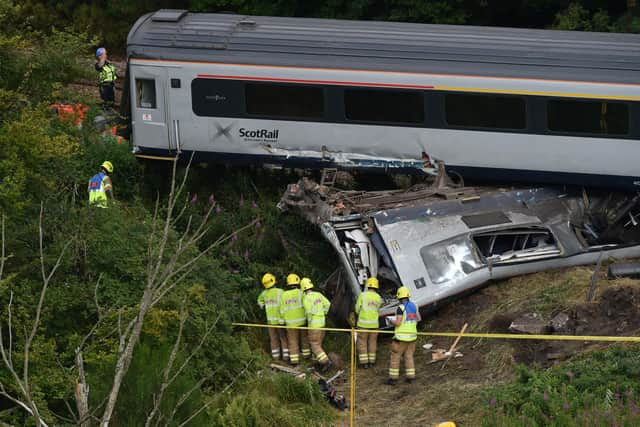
(107, 166)
(293, 279)
(305, 284)
(372, 282)
(403, 292)
(447, 424)
(268, 280)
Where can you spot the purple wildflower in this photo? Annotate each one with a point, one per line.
(212, 200)
(194, 199)
(545, 396)
(254, 205)
(258, 224)
(234, 237)
(565, 407)
(493, 402)
(218, 209)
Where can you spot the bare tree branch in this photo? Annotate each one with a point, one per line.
(157, 399)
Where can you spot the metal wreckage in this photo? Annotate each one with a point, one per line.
(442, 240)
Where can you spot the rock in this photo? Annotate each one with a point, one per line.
(560, 323)
(530, 323)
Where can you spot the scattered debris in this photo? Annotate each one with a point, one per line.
(624, 269)
(530, 323)
(327, 389)
(560, 323)
(427, 346)
(594, 279)
(439, 354)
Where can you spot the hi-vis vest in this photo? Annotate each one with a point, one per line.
(316, 306)
(97, 195)
(107, 74)
(367, 308)
(291, 308)
(269, 299)
(408, 329)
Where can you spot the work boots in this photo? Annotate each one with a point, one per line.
(391, 381)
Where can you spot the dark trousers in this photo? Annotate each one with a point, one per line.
(108, 93)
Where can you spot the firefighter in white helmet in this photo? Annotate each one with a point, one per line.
(367, 308)
(269, 299)
(316, 307)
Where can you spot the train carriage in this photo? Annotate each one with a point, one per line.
(492, 103)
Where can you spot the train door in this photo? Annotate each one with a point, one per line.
(151, 114)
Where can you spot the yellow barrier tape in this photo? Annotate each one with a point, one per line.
(468, 334)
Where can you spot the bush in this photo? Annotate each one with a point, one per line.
(599, 388)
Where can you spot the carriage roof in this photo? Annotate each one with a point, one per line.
(386, 46)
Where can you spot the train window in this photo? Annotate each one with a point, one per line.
(485, 111)
(146, 93)
(275, 100)
(384, 106)
(595, 117)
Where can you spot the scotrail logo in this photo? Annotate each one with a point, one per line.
(259, 134)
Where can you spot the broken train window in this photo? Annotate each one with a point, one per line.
(449, 260)
(516, 244)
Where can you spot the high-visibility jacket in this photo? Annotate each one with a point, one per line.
(367, 307)
(98, 186)
(291, 308)
(106, 74)
(269, 299)
(316, 306)
(408, 329)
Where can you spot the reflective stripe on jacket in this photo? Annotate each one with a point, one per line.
(316, 306)
(107, 73)
(97, 193)
(269, 299)
(367, 308)
(291, 308)
(408, 329)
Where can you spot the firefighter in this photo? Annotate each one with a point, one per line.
(107, 75)
(404, 339)
(292, 315)
(316, 307)
(100, 188)
(367, 307)
(269, 299)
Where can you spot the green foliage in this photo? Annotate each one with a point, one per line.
(276, 400)
(577, 17)
(599, 388)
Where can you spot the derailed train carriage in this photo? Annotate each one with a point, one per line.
(443, 242)
(530, 105)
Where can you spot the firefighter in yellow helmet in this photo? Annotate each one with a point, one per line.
(367, 307)
(100, 188)
(316, 307)
(292, 315)
(404, 339)
(269, 299)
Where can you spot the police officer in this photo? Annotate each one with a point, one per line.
(269, 299)
(107, 75)
(404, 339)
(367, 307)
(100, 188)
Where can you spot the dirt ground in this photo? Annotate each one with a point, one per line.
(452, 391)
